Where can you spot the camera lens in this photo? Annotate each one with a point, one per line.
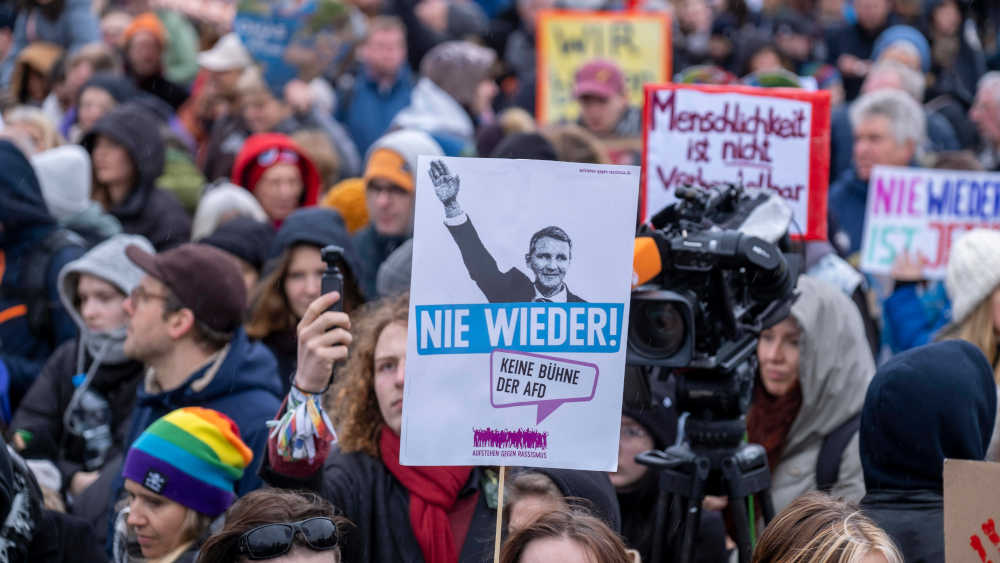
(657, 328)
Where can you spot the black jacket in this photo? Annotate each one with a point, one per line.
(147, 210)
(379, 506)
(852, 39)
(924, 405)
(41, 412)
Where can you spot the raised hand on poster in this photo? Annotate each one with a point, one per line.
(446, 188)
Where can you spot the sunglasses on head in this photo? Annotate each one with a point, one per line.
(274, 540)
(271, 156)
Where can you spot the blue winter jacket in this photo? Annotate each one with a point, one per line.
(24, 223)
(367, 110)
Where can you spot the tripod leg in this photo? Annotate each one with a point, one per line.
(663, 502)
(766, 505)
(741, 523)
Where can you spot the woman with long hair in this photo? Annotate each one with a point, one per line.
(402, 513)
(292, 280)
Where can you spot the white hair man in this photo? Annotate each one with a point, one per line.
(889, 129)
(985, 113)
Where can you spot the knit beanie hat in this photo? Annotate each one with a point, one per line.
(193, 456)
(347, 197)
(457, 67)
(64, 176)
(530, 146)
(906, 34)
(244, 237)
(973, 271)
(146, 22)
(221, 200)
(393, 157)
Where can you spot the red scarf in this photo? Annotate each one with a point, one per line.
(433, 491)
(770, 418)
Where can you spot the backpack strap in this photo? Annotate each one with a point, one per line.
(832, 451)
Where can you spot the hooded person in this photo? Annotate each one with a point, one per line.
(292, 280)
(64, 175)
(814, 368)
(32, 534)
(278, 173)
(389, 189)
(924, 405)
(128, 151)
(450, 99)
(76, 414)
(70, 24)
(33, 249)
(29, 82)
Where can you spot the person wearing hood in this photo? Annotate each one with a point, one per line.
(814, 368)
(99, 95)
(389, 188)
(924, 405)
(889, 128)
(33, 321)
(128, 156)
(65, 179)
(29, 82)
(76, 413)
(531, 492)
(278, 173)
(32, 533)
(453, 96)
(293, 278)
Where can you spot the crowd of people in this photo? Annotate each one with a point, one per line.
(166, 349)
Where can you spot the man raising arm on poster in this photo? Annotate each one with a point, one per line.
(549, 253)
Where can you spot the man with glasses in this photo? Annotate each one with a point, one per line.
(185, 325)
(389, 188)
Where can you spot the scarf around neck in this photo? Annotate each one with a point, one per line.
(770, 418)
(433, 492)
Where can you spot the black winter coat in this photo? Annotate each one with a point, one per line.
(913, 519)
(147, 210)
(379, 506)
(41, 412)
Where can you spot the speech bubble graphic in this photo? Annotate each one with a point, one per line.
(520, 379)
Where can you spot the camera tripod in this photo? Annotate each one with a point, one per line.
(688, 473)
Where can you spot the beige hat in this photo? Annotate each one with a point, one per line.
(973, 271)
(228, 53)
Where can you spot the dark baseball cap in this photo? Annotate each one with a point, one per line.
(203, 278)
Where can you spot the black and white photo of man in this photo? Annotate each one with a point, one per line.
(550, 253)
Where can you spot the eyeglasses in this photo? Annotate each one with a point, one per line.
(140, 294)
(274, 540)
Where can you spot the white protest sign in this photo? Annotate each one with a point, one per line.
(924, 212)
(519, 303)
(763, 138)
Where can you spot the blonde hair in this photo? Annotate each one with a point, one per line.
(35, 117)
(816, 528)
(977, 329)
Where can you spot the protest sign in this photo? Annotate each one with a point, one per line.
(763, 138)
(283, 36)
(971, 511)
(518, 307)
(638, 42)
(924, 212)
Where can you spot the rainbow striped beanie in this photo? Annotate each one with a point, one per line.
(192, 456)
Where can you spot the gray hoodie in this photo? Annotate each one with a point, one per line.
(108, 262)
(835, 368)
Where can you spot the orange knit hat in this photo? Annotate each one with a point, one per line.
(348, 198)
(147, 22)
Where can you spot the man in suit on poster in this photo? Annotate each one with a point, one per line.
(550, 252)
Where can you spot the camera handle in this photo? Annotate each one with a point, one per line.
(684, 474)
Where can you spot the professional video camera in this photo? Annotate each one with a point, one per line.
(709, 276)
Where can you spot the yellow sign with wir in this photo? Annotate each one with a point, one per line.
(638, 42)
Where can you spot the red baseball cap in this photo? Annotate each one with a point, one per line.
(599, 77)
